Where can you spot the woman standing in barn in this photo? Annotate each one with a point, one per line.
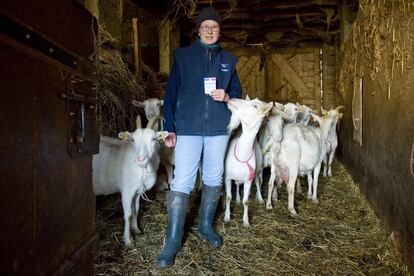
(203, 78)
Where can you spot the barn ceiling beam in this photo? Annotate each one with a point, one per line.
(292, 13)
(315, 21)
(287, 4)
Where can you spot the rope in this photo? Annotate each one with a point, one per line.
(251, 171)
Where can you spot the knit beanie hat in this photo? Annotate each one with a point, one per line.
(208, 13)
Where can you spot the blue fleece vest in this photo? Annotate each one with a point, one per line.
(187, 109)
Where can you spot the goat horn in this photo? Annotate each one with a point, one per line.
(138, 121)
(152, 121)
(339, 108)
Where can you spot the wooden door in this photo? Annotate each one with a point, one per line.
(46, 195)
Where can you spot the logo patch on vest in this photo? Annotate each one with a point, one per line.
(224, 67)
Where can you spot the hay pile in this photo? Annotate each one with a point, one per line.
(117, 86)
(341, 235)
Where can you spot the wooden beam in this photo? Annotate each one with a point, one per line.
(137, 52)
(288, 4)
(247, 69)
(290, 74)
(317, 83)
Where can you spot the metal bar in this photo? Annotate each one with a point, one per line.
(17, 31)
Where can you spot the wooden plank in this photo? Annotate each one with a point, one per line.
(290, 74)
(273, 81)
(47, 230)
(165, 47)
(317, 76)
(243, 65)
(137, 57)
(249, 68)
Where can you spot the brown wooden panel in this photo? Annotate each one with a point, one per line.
(46, 196)
(66, 22)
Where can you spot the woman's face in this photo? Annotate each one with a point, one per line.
(209, 32)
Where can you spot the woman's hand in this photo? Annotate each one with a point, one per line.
(219, 95)
(170, 140)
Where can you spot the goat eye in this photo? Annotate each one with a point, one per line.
(154, 139)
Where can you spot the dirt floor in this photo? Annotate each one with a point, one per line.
(340, 235)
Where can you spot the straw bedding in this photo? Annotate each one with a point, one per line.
(340, 235)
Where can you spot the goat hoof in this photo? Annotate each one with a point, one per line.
(227, 219)
(269, 206)
(261, 201)
(128, 243)
(309, 196)
(137, 231)
(246, 224)
(293, 212)
(315, 200)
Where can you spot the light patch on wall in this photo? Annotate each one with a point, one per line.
(357, 110)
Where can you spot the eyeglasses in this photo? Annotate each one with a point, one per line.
(206, 29)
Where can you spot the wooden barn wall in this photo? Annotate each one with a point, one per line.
(46, 197)
(147, 38)
(383, 164)
(293, 75)
(251, 78)
(330, 97)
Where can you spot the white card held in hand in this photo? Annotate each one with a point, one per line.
(209, 84)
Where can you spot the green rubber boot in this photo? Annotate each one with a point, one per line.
(177, 205)
(210, 197)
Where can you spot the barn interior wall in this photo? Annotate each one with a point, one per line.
(290, 75)
(147, 38)
(378, 51)
(329, 87)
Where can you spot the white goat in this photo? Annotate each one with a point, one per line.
(244, 153)
(130, 167)
(303, 118)
(296, 150)
(328, 125)
(152, 108)
(291, 110)
(304, 114)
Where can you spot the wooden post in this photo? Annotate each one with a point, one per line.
(317, 76)
(137, 56)
(169, 39)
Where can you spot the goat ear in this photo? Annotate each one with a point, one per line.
(267, 107)
(125, 136)
(279, 106)
(316, 118)
(284, 115)
(137, 103)
(161, 135)
(247, 98)
(161, 102)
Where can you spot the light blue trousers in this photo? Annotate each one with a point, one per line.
(188, 150)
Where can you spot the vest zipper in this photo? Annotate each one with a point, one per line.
(208, 72)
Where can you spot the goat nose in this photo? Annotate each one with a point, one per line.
(141, 158)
